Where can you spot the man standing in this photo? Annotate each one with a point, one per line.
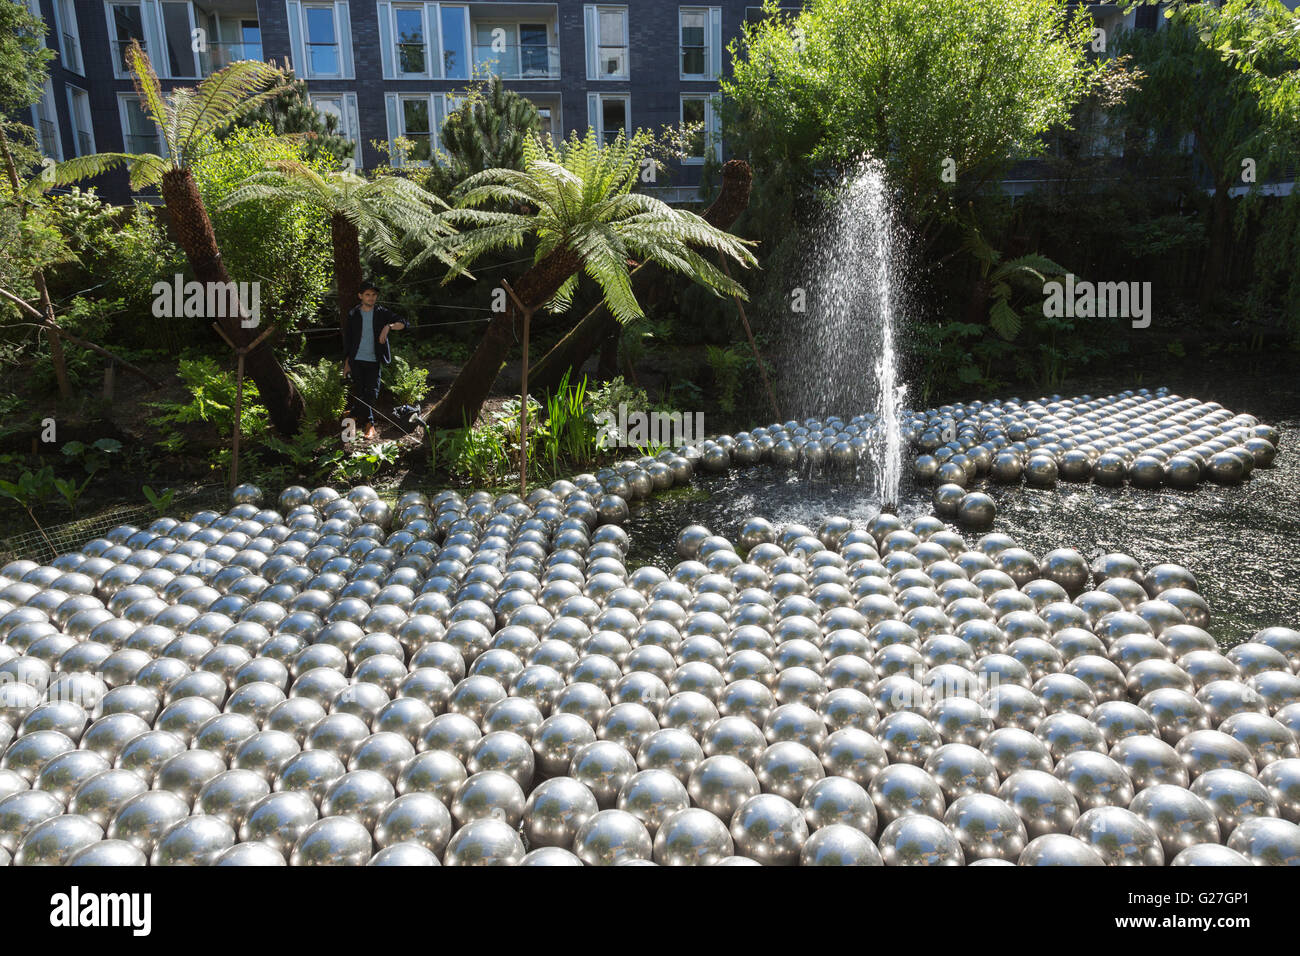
(365, 347)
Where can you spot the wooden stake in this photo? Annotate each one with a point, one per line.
(240, 352)
(523, 394)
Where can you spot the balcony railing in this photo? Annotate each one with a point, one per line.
(514, 61)
(49, 135)
(73, 50)
(220, 55)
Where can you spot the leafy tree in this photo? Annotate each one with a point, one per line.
(285, 244)
(574, 201)
(380, 211)
(188, 119)
(1225, 129)
(288, 111)
(24, 63)
(487, 131)
(923, 85)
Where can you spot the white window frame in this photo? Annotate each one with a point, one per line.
(396, 117)
(349, 120)
(468, 26)
(69, 30)
(712, 42)
(596, 112)
(711, 138)
(591, 15)
(46, 110)
(149, 41)
(194, 55)
(125, 102)
(300, 38)
(431, 22)
(73, 93)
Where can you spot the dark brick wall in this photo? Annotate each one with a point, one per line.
(655, 88)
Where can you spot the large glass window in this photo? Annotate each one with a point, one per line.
(180, 45)
(695, 49)
(455, 43)
(534, 58)
(70, 41)
(128, 25)
(322, 41)
(611, 45)
(613, 117)
(409, 23)
(417, 129)
(693, 117)
(82, 129)
(138, 131)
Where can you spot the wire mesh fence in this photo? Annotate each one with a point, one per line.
(45, 544)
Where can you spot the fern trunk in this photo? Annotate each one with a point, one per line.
(347, 265)
(461, 405)
(193, 229)
(648, 284)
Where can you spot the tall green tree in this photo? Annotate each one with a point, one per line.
(188, 120)
(1227, 130)
(574, 202)
(944, 92)
(380, 212)
(288, 111)
(24, 64)
(486, 131)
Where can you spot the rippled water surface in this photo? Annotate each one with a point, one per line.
(1241, 542)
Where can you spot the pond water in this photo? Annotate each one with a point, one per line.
(1240, 542)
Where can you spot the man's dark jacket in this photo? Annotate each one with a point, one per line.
(352, 340)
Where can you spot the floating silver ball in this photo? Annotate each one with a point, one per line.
(194, 841)
(1267, 841)
(1043, 803)
(916, 840)
(976, 511)
(404, 854)
(1121, 837)
(1282, 779)
(986, 827)
(840, 845)
(555, 811)
(610, 837)
(1059, 849)
(109, 853)
(415, 818)
(333, 841)
(1234, 797)
(692, 837)
(1209, 854)
(770, 829)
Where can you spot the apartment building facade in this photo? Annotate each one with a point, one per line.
(390, 69)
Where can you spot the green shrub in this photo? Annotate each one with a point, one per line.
(324, 393)
(408, 384)
(285, 245)
(212, 402)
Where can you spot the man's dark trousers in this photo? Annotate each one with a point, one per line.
(365, 389)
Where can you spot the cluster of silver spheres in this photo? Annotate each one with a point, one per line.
(1146, 439)
(478, 680)
(1143, 438)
